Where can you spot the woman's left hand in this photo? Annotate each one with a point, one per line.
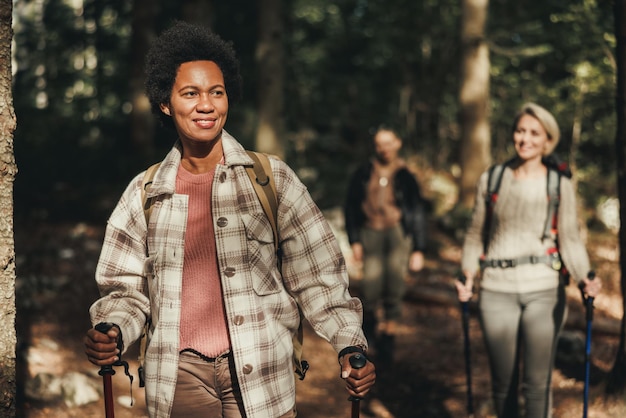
(358, 381)
(593, 287)
(416, 262)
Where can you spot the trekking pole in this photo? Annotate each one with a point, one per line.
(468, 365)
(588, 301)
(107, 371)
(356, 361)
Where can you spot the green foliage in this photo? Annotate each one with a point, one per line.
(351, 65)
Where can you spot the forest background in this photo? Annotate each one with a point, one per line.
(341, 68)
(319, 77)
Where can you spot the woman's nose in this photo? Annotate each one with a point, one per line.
(205, 104)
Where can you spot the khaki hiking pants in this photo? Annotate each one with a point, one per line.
(209, 389)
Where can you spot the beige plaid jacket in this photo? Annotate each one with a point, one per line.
(139, 275)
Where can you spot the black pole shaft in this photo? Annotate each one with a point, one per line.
(588, 301)
(467, 352)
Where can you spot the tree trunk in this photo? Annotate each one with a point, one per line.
(8, 171)
(141, 119)
(474, 99)
(617, 378)
(270, 64)
(198, 12)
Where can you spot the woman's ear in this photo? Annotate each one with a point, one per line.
(165, 109)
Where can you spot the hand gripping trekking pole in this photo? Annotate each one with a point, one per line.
(107, 371)
(588, 301)
(356, 361)
(468, 364)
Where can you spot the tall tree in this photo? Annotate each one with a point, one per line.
(474, 98)
(8, 170)
(270, 64)
(199, 12)
(143, 31)
(617, 378)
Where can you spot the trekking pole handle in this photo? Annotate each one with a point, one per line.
(461, 277)
(104, 328)
(589, 299)
(357, 361)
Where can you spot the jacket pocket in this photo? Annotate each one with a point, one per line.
(266, 277)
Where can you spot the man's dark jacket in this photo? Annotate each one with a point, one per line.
(408, 199)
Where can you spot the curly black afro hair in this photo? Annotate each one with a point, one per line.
(184, 42)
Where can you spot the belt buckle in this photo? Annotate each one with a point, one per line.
(556, 263)
(506, 263)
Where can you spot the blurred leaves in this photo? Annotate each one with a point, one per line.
(351, 66)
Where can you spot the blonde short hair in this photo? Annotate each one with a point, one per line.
(546, 119)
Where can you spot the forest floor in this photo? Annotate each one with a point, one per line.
(427, 379)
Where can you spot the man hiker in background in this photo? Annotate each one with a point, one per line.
(203, 270)
(385, 222)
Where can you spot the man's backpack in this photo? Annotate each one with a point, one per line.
(556, 169)
(262, 180)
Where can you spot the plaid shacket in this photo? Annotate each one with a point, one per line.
(139, 275)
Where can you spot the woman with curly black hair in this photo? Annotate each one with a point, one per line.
(202, 268)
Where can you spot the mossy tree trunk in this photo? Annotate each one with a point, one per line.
(8, 170)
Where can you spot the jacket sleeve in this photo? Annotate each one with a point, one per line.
(571, 246)
(120, 270)
(313, 267)
(353, 213)
(413, 210)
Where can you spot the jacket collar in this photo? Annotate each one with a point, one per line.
(165, 178)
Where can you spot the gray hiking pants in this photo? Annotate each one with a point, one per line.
(385, 263)
(522, 326)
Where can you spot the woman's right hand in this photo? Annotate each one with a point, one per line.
(465, 290)
(101, 349)
(357, 251)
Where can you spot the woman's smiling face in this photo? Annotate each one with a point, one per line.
(530, 138)
(199, 102)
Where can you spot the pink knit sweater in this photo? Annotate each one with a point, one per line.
(203, 321)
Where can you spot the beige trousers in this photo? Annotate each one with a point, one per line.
(209, 389)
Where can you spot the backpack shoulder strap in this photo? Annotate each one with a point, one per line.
(262, 180)
(554, 199)
(265, 188)
(145, 185)
(494, 179)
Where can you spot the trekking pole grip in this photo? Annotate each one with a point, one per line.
(589, 299)
(104, 328)
(357, 361)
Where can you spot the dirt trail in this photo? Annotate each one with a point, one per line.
(427, 378)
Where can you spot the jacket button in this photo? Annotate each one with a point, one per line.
(222, 222)
(247, 368)
(229, 271)
(222, 177)
(238, 320)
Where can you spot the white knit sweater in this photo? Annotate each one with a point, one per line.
(516, 230)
